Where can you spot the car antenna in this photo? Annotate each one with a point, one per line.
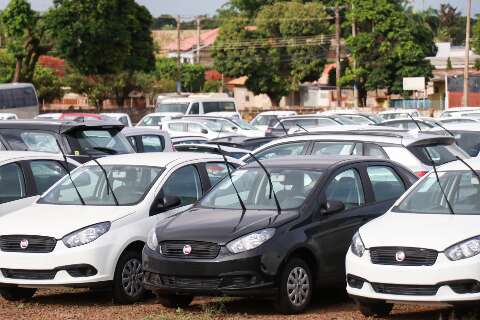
(220, 132)
(231, 179)
(279, 209)
(109, 187)
(281, 124)
(301, 127)
(446, 130)
(434, 168)
(65, 166)
(469, 167)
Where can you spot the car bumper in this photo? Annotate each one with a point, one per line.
(448, 281)
(230, 275)
(84, 266)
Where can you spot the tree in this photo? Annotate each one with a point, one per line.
(26, 38)
(449, 64)
(164, 21)
(476, 35)
(95, 88)
(275, 56)
(391, 44)
(7, 66)
(250, 8)
(192, 76)
(48, 84)
(451, 26)
(212, 86)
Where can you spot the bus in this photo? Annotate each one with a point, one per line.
(20, 99)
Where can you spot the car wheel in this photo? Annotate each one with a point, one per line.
(128, 279)
(295, 287)
(377, 308)
(17, 294)
(174, 301)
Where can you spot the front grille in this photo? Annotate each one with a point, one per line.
(29, 274)
(206, 283)
(413, 256)
(191, 283)
(199, 250)
(405, 290)
(35, 244)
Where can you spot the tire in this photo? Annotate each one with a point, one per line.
(128, 279)
(372, 309)
(17, 294)
(174, 301)
(295, 287)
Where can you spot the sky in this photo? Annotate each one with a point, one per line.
(198, 7)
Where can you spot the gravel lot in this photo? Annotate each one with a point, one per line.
(84, 304)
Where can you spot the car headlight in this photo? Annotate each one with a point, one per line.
(250, 241)
(152, 241)
(463, 250)
(358, 248)
(86, 235)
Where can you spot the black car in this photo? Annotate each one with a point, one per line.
(245, 239)
(81, 141)
(242, 142)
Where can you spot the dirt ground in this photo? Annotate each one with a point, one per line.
(84, 304)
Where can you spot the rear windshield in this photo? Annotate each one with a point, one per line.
(98, 142)
(172, 107)
(469, 141)
(31, 140)
(440, 153)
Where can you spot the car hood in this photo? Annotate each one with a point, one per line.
(429, 231)
(219, 225)
(58, 220)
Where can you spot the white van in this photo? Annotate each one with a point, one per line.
(195, 105)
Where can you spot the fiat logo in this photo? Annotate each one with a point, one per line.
(187, 249)
(24, 244)
(400, 256)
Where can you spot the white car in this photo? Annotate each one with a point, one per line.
(206, 129)
(91, 233)
(153, 120)
(425, 249)
(399, 114)
(8, 116)
(453, 112)
(262, 120)
(123, 118)
(198, 105)
(235, 126)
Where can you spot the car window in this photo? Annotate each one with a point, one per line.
(12, 183)
(289, 149)
(216, 171)
(177, 126)
(289, 124)
(152, 143)
(194, 128)
(333, 148)
(151, 121)
(99, 142)
(386, 183)
(184, 184)
(132, 142)
(220, 106)
(46, 173)
(346, 187)
(34, 140)
(124, 120)
(195, 109)
(373, 150)
(325, 122)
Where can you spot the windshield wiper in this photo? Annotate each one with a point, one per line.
(281, 124)
(279, 209)
(469, 167)
(301, 127)
(450, 208)
(231, 179)
(65, 166)
(109, 187)
(106, 150)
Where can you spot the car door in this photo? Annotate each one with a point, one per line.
(332, 232)
(151, 143)
(294, 148)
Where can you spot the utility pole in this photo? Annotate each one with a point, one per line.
(198, 41)
(354, 61)
(467, 55)
(337, 54)
(179, 62)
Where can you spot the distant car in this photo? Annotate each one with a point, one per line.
(188, 140)
(205, 128)
(8, 116)
(398, 114)
(232, 125)
(466, 135)
(453, 112)
(409, 124)
(71, 116)
(212, 148)
(458, 120)
(148, 140)
(242, 142)
(123, 118)
(262, 120)
(279, 233)
(212, 104)
(410, 149)
(25, 175)
(152, 120)
(80, 141)
(280, 127)
(360, 118)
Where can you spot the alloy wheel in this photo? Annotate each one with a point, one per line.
(298, 286)
(132, 277)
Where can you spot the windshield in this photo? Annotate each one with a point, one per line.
(98, 142)
(358, 119)
(461, 187)
(263, 120)
(172, 107)
(393, 116)
(151, 121)
(129, 183)
(291, 187)
(440, 153)
(244, 125)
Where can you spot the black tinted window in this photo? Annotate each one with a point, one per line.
(46, 173)
(440, 153)
(17, 98)
(12, 184)
(386, 183)
(184, 184)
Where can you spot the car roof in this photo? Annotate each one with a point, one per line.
(208, 146)
(134, 131)
(458, 165)
(206, 116)
(15, 155)
(55, 125)
(315, 162)
(399, 111)
(157, 159)
(273, 113)
(459, 127)
(194, 99)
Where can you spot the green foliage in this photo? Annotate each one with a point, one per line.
(476, 36)
(7, 66)
(275, 70)
(192, 75)
(165, 21)
(48, 84)
(391, 43)
(103, 37)
(166, 68)
(95, 88)
(449, 64)
(212, 86)
(451, 26)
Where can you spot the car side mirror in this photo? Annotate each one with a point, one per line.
(332, 207)
(204, 131)
(164, 203)
(234, 128)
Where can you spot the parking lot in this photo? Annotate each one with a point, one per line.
(85, 304)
